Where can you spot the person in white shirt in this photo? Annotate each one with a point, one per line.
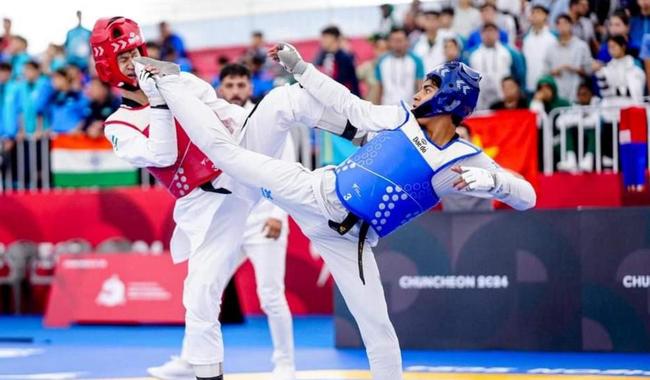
(537, 43)
(621, 81)
(265, 244)
(430, 45)
(568, 60)
(494, 63)
(399, 72)
(466, 18)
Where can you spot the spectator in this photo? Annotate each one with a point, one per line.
(222, 61)
(77, 77)
(430, 45)
(547, 97)
(488, 16)
(618, 24)
(52, 59)
(639, 26)
(446, 19)
(399, 72)
(17, 55)
(466, 18)
(453, 50)
(621, 81)
(511, 7)
(5, 89)
(387, 22)
(153, 50)
(570, 122)
(260, 77)
(77, 45)
(569, 59)
(537, 43)
(459, 203)
(184, 62)
(336, 62)
(505, 20)
(102, 105)
(583, 27)
(6, 36)
(30, 95)
(68, 106)
(235, 85)
(411, 17)
(366, 71)
(513, 99)
(257, 47)
(494, 62)
(170, 41)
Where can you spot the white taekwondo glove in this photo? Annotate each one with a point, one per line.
(479, 179)
(290, 59)
(147, 84)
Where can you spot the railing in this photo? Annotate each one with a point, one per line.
(582, 117)
(27, 168)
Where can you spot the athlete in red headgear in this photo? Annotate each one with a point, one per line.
(209, 220)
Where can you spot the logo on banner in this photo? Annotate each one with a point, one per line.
(113, 292)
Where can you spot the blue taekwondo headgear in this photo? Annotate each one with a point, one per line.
(457, 91)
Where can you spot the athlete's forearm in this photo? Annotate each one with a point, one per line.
(514, 191)
(162, 137)
(361, 113)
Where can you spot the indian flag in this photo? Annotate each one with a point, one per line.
(80, 161)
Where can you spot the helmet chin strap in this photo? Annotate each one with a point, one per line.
(130, 87)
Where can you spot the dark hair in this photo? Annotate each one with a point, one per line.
(490, 25)
(565, 17)
(586, 83)
(620, 13)
(619, 39)
(447, 11)
(223, 60)
(509, 77)
(5, 66)
(573, 2)
(398, 30)
(234, 70)
(332, 30)
(540, 7)
(258, 33)
(33, 64)
(152, 45)
(62, 71)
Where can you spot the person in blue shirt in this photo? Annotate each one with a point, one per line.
(639, 26)
(16, 55)
(29, 94)
(77, 45)
(5, 77)
(488, 15)
(260, 77)
(68, 106)
(618, 25)
(170, 41)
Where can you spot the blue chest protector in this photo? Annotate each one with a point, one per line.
(388, 181)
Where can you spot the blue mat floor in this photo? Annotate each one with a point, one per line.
(30, 351)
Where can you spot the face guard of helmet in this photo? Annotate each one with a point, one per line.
(457, 93)
(111, 37)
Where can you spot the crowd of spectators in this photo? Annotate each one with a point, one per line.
(538, 54)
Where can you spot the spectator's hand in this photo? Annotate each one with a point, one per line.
(20, 135)
(596, 65)
(289, 57)
(8, 145)
(95, 129)
(556, 72)
(272, 228)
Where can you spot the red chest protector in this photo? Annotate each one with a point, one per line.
(191, 169)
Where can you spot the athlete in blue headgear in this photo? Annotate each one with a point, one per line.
(414, 158)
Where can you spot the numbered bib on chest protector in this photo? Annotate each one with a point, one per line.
(388, 181)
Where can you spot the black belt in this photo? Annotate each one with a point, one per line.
(344, 227)
(209, 187)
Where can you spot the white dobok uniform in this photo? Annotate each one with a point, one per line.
(310, 197)
(210, 226)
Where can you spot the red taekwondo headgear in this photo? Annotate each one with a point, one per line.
(111, 37)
